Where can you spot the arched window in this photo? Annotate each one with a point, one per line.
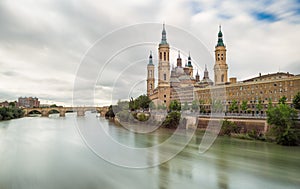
(222, 78)
(160, 55)
(165, 77)
(165, 56)
(150, 85)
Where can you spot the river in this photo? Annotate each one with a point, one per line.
(49, 153)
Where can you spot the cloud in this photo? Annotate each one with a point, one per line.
(42, 43)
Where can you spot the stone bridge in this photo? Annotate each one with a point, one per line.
(63, 110)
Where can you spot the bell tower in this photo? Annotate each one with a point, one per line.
(150, 76)
(221, 67)
(164, 69)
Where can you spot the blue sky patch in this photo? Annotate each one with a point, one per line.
(195, 7)
(264, 16)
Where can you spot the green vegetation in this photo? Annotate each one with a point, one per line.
(174, 106)
(244, 106)
(229, 127)
(259, 106)
(195, 105)
(11, 112)
(110, 113)
(201, 106)
(296, 101)
(283, 120)
(217, 106)
(142, 102)
(128, 111)
(233, 108)
(185, 106)
(172, 120)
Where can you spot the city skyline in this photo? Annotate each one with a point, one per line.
(43, 43)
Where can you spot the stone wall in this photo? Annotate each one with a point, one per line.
(246, 124)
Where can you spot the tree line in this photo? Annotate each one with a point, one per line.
(10, 112)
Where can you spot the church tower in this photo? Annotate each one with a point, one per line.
(190, 66)
(220, 68)
(150, 76)
(164, 69)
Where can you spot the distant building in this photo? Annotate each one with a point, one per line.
(28, 102)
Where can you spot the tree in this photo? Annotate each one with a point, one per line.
(110, 113)
(174, 106)
(201, 105)
(229, 127)
(244, 106)
(283, 126)
(217, 106)
(12, 104)
(185, 106)
(143, 101)
(195, 105)
(172, 120)
(233, 106)
(296, 101)
(259, 106)
(270, 105)
(282, 100)
(53, 106)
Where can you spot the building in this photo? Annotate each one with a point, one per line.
(28, 102)
(180, 84)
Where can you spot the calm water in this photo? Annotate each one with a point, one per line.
(48, 153)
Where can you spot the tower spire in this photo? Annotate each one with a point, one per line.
(220, 38)
(190, 60)
(150, 58)
(163, 35)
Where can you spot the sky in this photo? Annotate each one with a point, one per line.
(43, 44)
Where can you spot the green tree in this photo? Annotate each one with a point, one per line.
(143, 101)
(174, 106)
(110, 113)
(282, 100)
(217, 106)
(296, 101)
(195, 105)
(185, 106)
(172, 120)
(12, 104)
(244, 106)
(53, 106)
(201, 105)
(283, 126)
(270, 104)
(229, 127)
(259, 106)
(233, 106)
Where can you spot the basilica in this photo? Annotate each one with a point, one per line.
(180, 83)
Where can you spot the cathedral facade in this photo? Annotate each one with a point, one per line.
(179, 83)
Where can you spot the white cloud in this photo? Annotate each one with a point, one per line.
(43, 42)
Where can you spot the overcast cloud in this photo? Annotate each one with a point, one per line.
(43, 42)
